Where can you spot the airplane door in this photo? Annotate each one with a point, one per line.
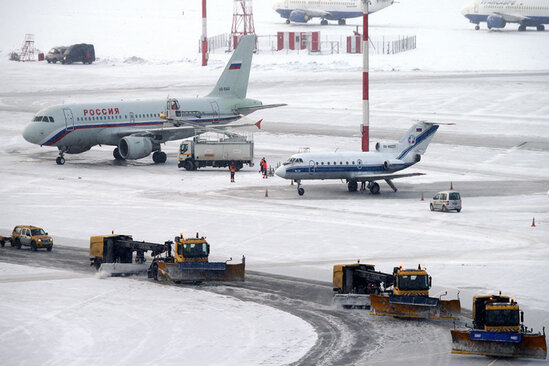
(132, 117)
(69, 120)
(312, 168)
(359, 164)
(215, 109)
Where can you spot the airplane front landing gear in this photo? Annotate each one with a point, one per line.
(60, 159)
(300, 189)
(477, 27)
(374, 188)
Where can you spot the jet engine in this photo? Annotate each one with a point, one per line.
(495, 21)
(392, 164)
(386, 146)
(133, 147)
(299, 16)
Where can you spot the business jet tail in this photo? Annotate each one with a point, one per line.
(414, 143)
(234, 80)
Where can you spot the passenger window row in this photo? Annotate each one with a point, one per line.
(106, 118)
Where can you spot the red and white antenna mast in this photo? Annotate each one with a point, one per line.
(243, 21)
(365, 127)
(204, 35)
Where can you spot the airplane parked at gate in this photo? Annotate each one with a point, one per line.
(137, 128)
(497, 13)
(301, 11)
(364, 167)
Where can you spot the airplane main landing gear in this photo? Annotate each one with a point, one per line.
(521, 28)
(540, 28)
(477, 27)
(341, 22)
(374, 187)
(323, 22)
(352, 186)
(159, 157)
(116, 154)
(300, 189)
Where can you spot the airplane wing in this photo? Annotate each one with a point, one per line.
(370, 178)
(248, 110)
(188, 129)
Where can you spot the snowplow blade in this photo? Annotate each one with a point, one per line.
(123, 269)
(499, 345)
(201, 272)
(414, 307)
(352, 301)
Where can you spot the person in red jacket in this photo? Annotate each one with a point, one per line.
(264, 168)
(232, 169)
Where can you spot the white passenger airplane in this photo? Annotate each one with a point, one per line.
(497, 13)
(136, 127)
(363, 167)
(301, 11)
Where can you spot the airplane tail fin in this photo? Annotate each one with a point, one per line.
(414, 143)
(234, 80)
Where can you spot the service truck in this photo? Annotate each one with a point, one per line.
(220, 153)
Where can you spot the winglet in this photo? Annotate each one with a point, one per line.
(258, 124)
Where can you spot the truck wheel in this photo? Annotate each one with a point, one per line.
(97, 263)
(431, 207)
(189, 165)
(2, 243)
(33, 246)
(17, 243)
(49, 249)
(155, 271)
(239, 166)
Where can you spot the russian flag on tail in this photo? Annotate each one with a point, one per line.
(419, 129)
(235, 66)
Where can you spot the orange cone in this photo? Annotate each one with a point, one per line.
(266, 192)
(533, 222)
(451, 186)
(422, 199)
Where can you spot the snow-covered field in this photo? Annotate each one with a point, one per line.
(494, 85)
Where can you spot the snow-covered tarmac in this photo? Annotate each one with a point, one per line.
(496, 156)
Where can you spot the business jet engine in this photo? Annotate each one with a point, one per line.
(495, 21)
(391, 164)
(134, 147)
(299, 16)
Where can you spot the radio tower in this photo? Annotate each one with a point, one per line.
(27, 50)
(243, 21)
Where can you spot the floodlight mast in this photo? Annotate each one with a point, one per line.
(204, 35)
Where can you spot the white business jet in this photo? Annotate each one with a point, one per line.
(301, 11)
(497, 13)
(137, 128)
(364, 167)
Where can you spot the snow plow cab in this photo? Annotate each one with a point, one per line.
(190, 264)
(498, 331)
(410, 298)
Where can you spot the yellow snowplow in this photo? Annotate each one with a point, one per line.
(121, 255)
(190, 264)
(410, 298)
(498, 331)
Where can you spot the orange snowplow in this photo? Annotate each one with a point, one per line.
(410, 298)
(498, 331)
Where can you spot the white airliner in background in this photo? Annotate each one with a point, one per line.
(301, 11)
(363, 167)
(497, 13)
(136, 127)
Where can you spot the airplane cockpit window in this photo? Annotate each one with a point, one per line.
(37, 119)
(299, 160)
(45, 119)
(290, 161)
(51, 119)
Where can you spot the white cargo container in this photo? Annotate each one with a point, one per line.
(199, 153)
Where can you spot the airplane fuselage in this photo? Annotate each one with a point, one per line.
(87, 124)
(341, 165)
(497, 13)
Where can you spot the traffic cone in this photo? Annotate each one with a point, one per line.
(422, 199)
(533, 222)
(266, 192)
(451, 186)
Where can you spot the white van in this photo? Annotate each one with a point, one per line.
(446, 201)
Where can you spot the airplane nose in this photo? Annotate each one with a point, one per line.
(28, 133)
(466, 9)
(281, 171)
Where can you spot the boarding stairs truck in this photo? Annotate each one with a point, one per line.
(219, 153)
